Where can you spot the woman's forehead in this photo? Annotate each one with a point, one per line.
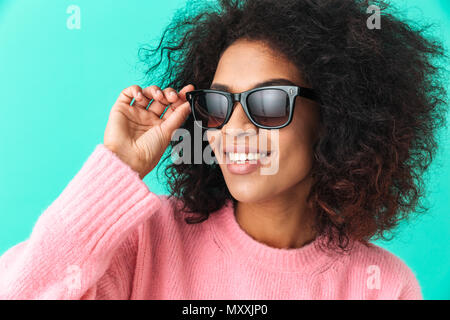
(247, 63)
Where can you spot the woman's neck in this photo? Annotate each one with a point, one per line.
(281, 222)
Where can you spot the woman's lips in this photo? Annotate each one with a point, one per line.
(243, 168)
(247, 167)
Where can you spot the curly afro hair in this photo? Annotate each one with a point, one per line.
(382, 101)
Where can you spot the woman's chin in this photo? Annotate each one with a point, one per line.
(245, 195)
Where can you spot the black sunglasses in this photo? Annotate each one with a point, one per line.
(267, 107)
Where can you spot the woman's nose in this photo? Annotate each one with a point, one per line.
(238, 121)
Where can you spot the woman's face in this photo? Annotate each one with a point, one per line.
(286, 170)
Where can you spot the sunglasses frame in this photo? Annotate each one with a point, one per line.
(232, 98)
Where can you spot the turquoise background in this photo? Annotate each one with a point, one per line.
(57, 87)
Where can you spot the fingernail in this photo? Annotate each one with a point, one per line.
(138, 95)
(172, 94)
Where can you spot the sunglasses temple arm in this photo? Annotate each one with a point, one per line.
(308, 93)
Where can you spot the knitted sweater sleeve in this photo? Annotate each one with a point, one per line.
(83, 245)
(411, 289)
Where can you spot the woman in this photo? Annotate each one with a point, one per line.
(346, 123)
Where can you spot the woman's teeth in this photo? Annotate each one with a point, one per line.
(240, 158)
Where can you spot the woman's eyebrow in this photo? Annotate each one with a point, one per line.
(270, 82)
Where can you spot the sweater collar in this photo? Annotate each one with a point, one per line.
(312, 257)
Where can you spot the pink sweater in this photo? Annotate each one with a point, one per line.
(108, 237)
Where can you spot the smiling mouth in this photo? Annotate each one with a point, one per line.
(242, 157)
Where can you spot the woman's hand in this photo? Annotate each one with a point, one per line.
(138, 136)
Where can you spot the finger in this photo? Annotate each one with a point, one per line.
(140, 100)
(158, 104)
(181, 100)
(127, 95)
(171, 95)
(168, 112)
(182, 95)
(164, 98)
(176, 119)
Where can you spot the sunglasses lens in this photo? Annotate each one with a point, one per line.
(210, 108)
(269, 107)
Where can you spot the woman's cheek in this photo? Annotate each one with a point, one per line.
(295, 159)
